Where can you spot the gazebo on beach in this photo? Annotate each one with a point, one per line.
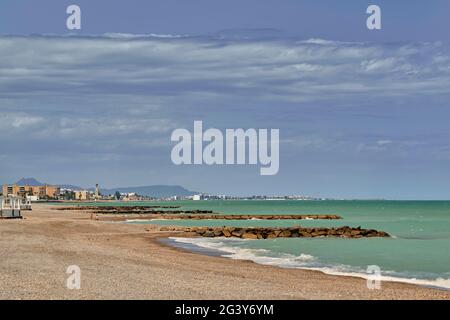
(10, 207)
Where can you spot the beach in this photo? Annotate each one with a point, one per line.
(125, 261)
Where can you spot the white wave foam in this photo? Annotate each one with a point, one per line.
(261, 256)
(302, 261)
(438, 283)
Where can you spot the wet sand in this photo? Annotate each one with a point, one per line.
(127, 261)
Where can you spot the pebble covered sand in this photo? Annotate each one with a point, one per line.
(120, 261)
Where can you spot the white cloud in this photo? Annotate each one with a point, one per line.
(384, 142)
(121, 91)
(10, 121)
(149, 65)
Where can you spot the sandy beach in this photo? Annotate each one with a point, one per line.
(120, 261)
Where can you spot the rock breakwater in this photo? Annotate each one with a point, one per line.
(246, 217)
(271, 233)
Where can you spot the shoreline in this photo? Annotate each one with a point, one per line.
(126, 261)
(217, 252)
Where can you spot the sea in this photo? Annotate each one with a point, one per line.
(418, 251)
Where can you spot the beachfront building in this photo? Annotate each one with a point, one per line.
(132, 196)
(10, 207)
(97, 192)
(41, 192)
(82, 195)
(32, 198)
(25, 203)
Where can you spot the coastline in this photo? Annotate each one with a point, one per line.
(190, 245)
(126, 261)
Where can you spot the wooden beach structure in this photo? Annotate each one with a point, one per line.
(25, 204)
(10, 207)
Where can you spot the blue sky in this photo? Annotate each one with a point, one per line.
(361, 114)
(403, 20)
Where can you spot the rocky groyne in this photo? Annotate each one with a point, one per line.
(167, 216)
(115, 208)
(134, 210)
(154, 212)
(245, 217)
(271, 232)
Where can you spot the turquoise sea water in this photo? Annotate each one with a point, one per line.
(419, 250)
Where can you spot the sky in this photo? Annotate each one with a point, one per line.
(403, 20)
(362, 114)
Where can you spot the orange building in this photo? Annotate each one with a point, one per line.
(39, 191)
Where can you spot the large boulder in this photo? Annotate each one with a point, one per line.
(237, 233)
(209, 234)
(285, 234)
(271, 235)
(249, 235)
(218, 233)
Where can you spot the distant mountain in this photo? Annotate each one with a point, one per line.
(34, 182)
(29, 182)
(157, 191)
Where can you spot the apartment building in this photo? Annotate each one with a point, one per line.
(41, 192)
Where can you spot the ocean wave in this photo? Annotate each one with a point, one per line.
(261, 256)
(230, 249)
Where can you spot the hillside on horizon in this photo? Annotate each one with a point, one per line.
(157, 191)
